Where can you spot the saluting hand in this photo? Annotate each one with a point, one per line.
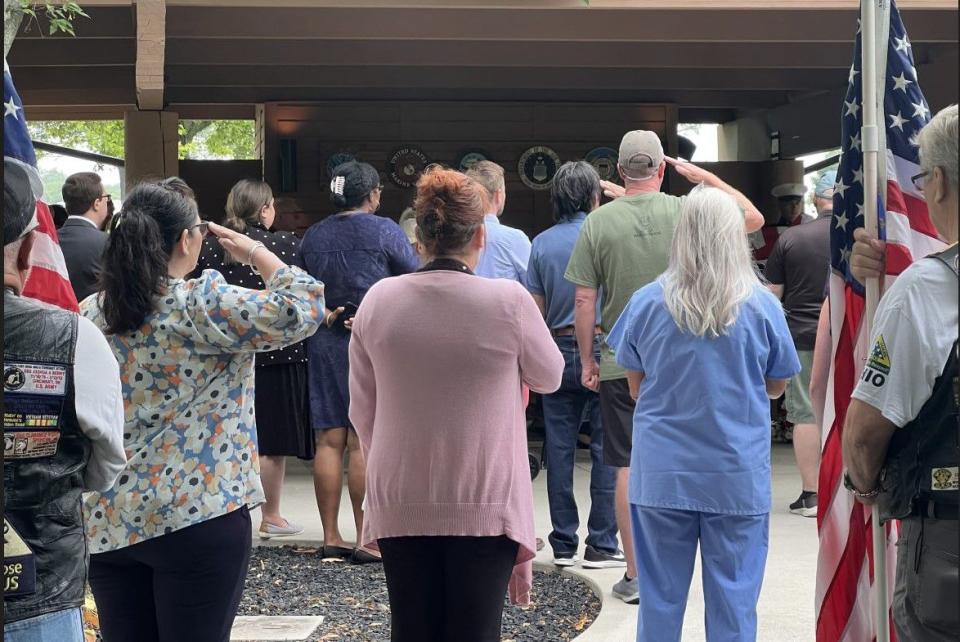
(236, 244)
(691, 172)
(612, 190)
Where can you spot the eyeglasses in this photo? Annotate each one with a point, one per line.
(106, 196)
(918, 180)
(204, 227)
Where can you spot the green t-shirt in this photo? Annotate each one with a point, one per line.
(623, 246)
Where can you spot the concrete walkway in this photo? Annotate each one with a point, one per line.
(786, 609)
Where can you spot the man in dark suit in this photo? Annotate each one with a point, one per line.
(81, 238)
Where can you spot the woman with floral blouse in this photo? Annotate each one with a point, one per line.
(170, 542)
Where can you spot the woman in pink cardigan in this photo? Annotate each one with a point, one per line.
(437, 360)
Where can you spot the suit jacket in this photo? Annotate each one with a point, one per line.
(82, 246)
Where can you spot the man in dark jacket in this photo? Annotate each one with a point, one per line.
(62, 435)
(81, 239)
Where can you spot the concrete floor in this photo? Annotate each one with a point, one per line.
(786, 608)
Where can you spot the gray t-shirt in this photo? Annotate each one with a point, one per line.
(800, 262)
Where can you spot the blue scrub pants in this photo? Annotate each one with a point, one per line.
(733, 551)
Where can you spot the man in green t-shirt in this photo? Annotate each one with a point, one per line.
(623, 246)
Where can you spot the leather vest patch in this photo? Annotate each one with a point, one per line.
(34, 395)
(19, 564)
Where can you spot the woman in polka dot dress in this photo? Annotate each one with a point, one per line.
(281, 401)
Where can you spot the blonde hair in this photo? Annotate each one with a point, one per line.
(711, 271)
(489, 175)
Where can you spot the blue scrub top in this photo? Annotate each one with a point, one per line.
(701, 429)
(548, 263)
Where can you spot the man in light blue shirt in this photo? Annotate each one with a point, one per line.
(507, 251)
(575, 191)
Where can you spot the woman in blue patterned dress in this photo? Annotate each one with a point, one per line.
(170, 542)
(349, 251)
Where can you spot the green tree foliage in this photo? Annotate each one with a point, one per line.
(217, 139)
(199, 139)
(97, 136)
(59, 16)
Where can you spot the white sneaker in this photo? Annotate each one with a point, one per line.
(565, 559)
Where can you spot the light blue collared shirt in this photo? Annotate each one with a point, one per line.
(506, 254)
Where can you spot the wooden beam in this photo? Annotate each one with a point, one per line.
(556, 4)
(194, 111)
(540, 4)
(255, 51)
(151, 39)
(572, 25)
(214, 111)
(706, 115)
(76, 99)
(53, 78)
(707, 5)
(71, 112)
(515, 77)
(686, 98)
(73, 52)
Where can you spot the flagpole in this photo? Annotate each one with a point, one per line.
(871, 148)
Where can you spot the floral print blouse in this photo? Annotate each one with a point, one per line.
(187, 378)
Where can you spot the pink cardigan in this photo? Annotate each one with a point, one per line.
(436, 364)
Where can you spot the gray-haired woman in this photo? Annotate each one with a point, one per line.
(700, 468)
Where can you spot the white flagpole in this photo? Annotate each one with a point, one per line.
(871, 148)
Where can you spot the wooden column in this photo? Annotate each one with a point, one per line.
(150, 145)
(151, 43)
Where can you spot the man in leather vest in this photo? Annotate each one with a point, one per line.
(900, 441)
(62, 434)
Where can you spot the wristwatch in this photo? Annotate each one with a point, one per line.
(848, 484)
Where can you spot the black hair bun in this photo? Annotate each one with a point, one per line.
(352, 182)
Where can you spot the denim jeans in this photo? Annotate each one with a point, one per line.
(563, 412)
(62, 626)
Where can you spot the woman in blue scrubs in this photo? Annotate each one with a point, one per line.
(705, 346)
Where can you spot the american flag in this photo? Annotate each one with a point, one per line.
(844, 596)
(48, 280)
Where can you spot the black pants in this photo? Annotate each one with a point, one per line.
(447, 589)
(181, 587)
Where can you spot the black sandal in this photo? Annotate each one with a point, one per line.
(337, 552)
(360, 556)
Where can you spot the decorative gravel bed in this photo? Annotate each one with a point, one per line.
(353, 599)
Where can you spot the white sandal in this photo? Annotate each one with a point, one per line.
(268, 530)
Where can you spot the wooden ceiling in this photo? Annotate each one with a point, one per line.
(716, 59)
